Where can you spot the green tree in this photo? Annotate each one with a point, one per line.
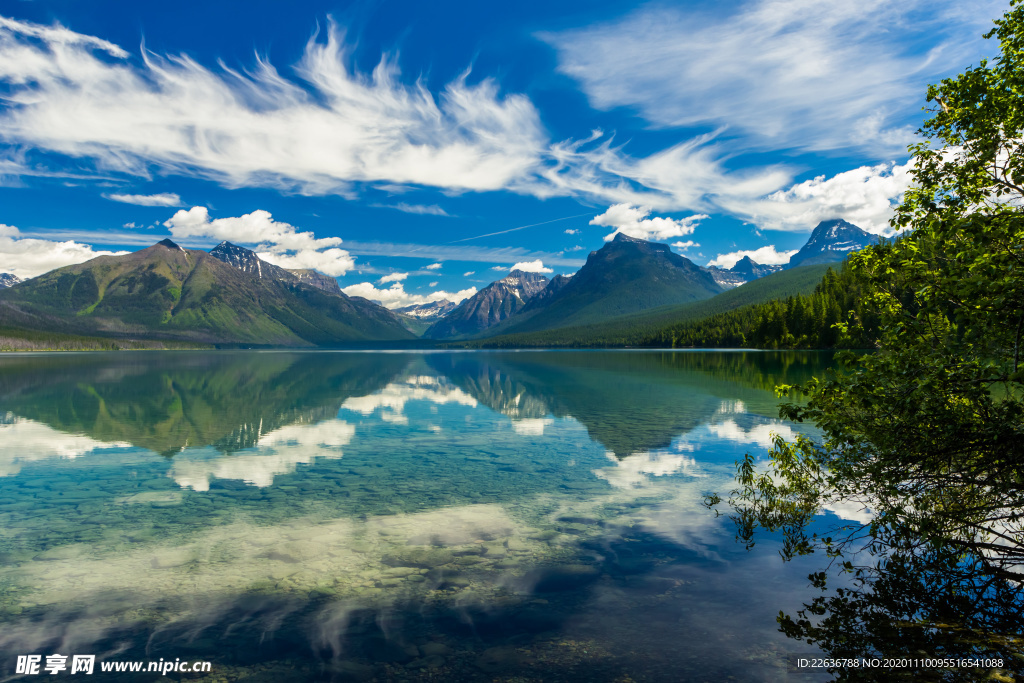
(927, 434)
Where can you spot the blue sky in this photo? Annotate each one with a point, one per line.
(420, 150)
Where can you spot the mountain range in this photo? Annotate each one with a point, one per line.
(231, 296)
(227, 296)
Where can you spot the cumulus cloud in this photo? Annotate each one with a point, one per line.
(23, 441)
(632, 220)
(765, 256)
(468, 273)
(685, 245)
(28, 257)
(865, 196)
(432, 284)
(163, 199)
(395, 296)
(572, 231)
(275, 241)
(277, 452)
(389, 402)
(531, 267)
(433, 266)
(393, 277)
(795, 73)
(762, 435)
(636, 470)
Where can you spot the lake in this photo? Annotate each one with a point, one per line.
(444, 516)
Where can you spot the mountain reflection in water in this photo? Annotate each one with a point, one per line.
(335, 516)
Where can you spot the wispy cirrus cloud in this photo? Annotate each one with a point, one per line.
(457, 252)
(326, 128)
(81, 96)
(166, 199)
(782, 73)
(417, 209)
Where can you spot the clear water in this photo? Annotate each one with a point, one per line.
(392, 516)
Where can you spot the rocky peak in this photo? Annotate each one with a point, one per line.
(8, 280)
(247, 261)
(168, 244)
(831, 241)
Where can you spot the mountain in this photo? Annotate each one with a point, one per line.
(751, 269)
(488, 307)
(166, 292)
(8, 280)
(248, 261)
(112, 397)
(314, 278)
(636, 328)
(743, 271)
(435, 309)
(419, 317)
(554, 287)
(624, 276)
(832, 241)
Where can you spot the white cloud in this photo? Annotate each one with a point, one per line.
(865, 196)
(28, 257)
(764, 255)
(572, 231)
(275, 242)
(163, 199)
(685, 245)
(632, 220)
(790, 73)
(531, 426)
(531, 267)
(458, 252)
(330, 126)
(23, 441)
(636, 470)
(422, 209)
(432, 284)
(468, 273)
(433, 266)
(389, 402)
(80, 96)
(393, 277)
(501, 268)
(335, 128)
(277, 452)
(395, 296)
(763, 434)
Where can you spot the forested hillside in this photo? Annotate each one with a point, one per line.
(795, 322)
(638, 329)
